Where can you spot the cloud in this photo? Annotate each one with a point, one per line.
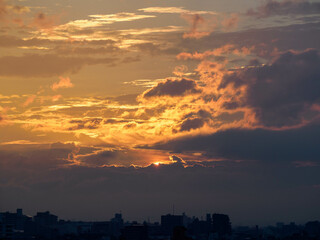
(109, 48)
(177, 159)
(8, 13)
(47, 65)
(173, 88)
(34, 157)
(223, 50)
(300, 144)
(281, 93)
(94, 22)
(118, 17)
(123, 157)
(29, 100)
(3, 118)
(14, 41)
(230, 22)
(263, 43)
(196, 22)
(3, 8)
(42, 21)
(154, 49)
(193, 123)
(19, 9)
(63, 83)
(89, 123)
(285, 7)
(194, 120)
(178, 10)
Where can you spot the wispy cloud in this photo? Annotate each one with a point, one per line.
(178, 10)
(63, 83)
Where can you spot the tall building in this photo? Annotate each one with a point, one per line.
(45, 224)
(116, 225)
(221, 224)
(168, 222)
(45, 219)
(12, 225)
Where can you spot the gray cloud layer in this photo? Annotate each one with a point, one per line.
(282, 93)
(285, 7)
(259, 144)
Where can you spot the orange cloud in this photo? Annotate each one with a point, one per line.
(63, 83)
(230, 22)
(42, 21)
(29, 100)
(201, 56)
(180, 70)
(8, 13)
(196, 22)
(226, 49)
(3, 8)
(56, 98)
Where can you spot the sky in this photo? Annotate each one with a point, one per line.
(139, 105)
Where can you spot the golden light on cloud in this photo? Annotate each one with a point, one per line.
(63, 83)
(179, 10)
(171, 86)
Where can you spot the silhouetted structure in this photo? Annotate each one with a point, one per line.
(13, 225)
(45, 226)
(200, 229)
(313, 228)
(135, 232)
(221, 225)
(168, 222)
(179, 233)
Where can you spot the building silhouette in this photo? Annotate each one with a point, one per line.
(221, 225)
(47, 226)
(168, 222)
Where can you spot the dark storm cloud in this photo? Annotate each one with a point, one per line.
(35, 65)
(173, 88)
(192, 123)
(283, 92)
(194, 120)
(301, 144)
(285, 7)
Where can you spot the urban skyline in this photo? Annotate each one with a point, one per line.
(216, 226)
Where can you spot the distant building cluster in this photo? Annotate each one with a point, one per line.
(45, 225)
